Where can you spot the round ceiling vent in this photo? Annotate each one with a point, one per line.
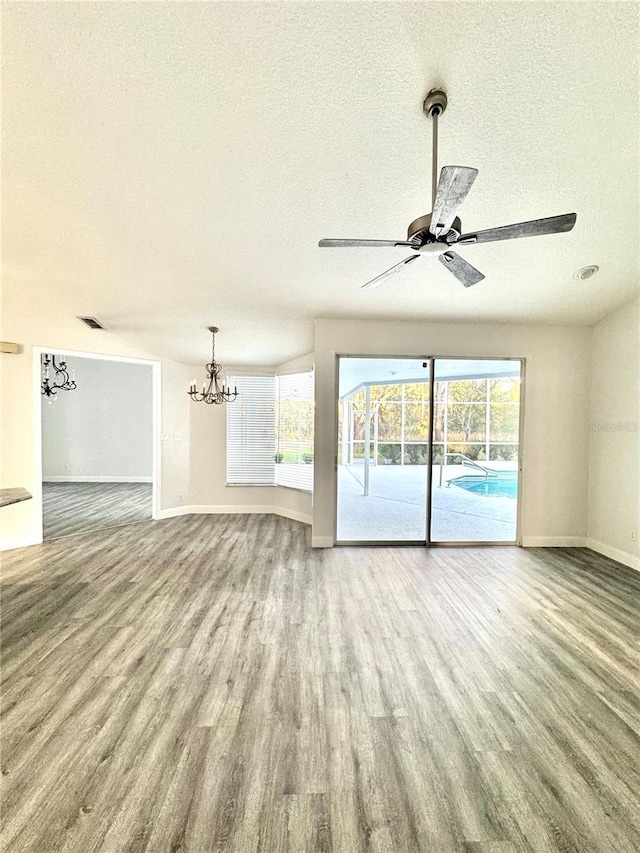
(586, 272)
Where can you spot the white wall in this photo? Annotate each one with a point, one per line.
(21, 524)
(614, 446)
(568, 478)
(103, 430)
(208, 489)
(556, 414)
(175, 430)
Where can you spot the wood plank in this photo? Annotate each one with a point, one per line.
(72, 508)
(211, 683)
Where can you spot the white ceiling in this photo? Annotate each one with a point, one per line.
(168, 166)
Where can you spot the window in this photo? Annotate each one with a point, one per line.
(294, 445)
(270, 431)
(251, 425)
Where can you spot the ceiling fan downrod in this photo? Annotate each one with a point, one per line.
(434, 105)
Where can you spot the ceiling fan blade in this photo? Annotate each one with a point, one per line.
(535, 228)
(334, 244)
(392, 271)
(462, 269)
(453, 187)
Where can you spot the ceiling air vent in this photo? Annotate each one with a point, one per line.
(91, 322)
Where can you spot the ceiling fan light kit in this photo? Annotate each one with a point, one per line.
(436, 233)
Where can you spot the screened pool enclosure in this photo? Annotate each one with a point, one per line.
(386, 491)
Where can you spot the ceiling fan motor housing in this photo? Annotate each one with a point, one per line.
(418, 232)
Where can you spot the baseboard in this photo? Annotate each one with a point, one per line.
(322, 541)
(172, 512)
(233, 509)
(304, 517)
(92, 479)
(624, 557)
(230, 509)
(19, 542)
(553, 542)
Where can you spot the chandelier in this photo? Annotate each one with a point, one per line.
(60, 381)
(212, 393)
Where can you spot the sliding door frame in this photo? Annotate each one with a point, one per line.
(427, 542)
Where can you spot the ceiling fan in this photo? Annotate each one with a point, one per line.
(436, 233)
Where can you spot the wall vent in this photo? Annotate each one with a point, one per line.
(91, 322)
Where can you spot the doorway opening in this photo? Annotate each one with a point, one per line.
(97, 445)
(428, 450)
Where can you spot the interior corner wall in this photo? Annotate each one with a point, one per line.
(175, 434)
(556, 411)
(22, 522)
(209, 492)
(102, 431)
(614, 445)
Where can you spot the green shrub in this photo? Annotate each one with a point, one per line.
(389, 454)
(415, 454)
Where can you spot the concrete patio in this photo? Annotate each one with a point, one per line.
(395, 506)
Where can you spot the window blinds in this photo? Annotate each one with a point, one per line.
(294, 446)
(251, 428)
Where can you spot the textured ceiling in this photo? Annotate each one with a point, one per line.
(172, 165)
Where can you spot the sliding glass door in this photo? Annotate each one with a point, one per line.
(383, 449)
(476, 443)
(428, 462)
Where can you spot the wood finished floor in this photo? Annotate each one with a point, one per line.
(210, 683)
(71, 508)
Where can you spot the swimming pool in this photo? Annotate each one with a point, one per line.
(501, 485)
